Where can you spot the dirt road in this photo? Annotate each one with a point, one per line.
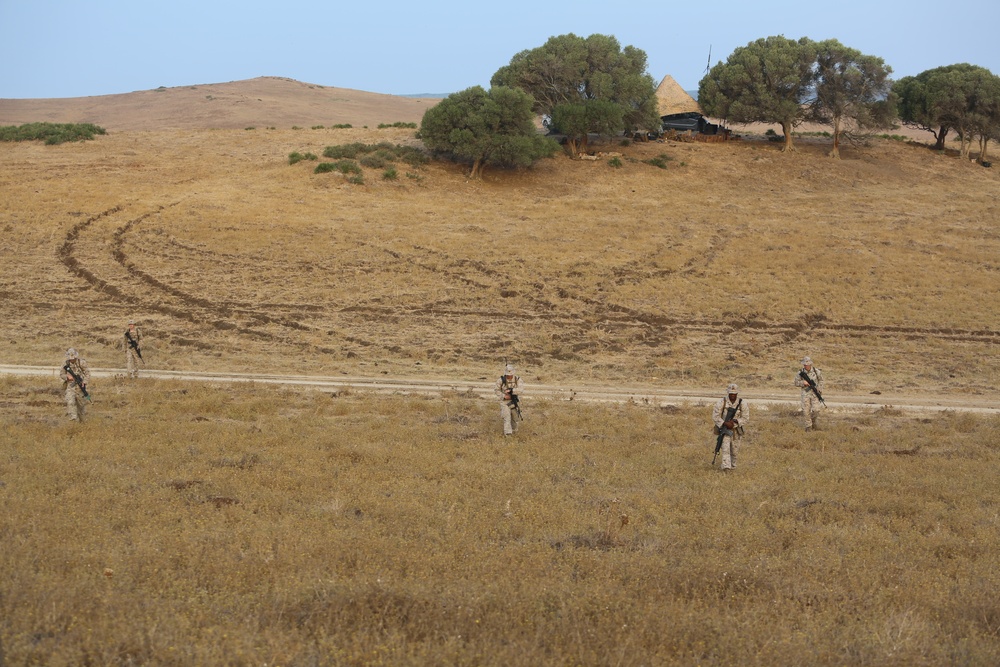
(659, 396)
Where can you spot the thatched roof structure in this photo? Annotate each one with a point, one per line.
(674, 99)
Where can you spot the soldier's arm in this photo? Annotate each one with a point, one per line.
(743, 414)
(717, 413)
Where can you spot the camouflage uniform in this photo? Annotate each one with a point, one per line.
(810, 402)
(505, 386)
(731, 438)
(75, 401)
(131, 357)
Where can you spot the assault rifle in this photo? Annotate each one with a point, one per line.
(722, 430)
(135, 346)
(812, 385)
(515, 400)
(516, 404)
(78, 380)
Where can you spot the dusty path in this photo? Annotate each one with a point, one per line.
(660, 396)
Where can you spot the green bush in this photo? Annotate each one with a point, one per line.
(373, 161)
(399, 124)
(350, 151)
(50, 133)
(659, 161)
(341, 126)
(298, 157)
(412, 156)
(615, 162)
(390, 174)
(343, 166)
(383, 150)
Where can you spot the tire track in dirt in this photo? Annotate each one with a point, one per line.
(195, 310)
(815, 324)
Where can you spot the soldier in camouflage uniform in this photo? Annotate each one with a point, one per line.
(507, 389)
(732, 429)
(76, 402)
(131, 355)
(810, 401)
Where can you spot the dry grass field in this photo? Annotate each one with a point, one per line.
(240, 525)
(251, 525)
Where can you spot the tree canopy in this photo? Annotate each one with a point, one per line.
(779, 80)
(766, 81)
(586, 85)
(850, 87)
(481, 127)
(960, 97)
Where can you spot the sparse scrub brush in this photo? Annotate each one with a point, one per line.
(372, 161)
(343, 166)
(51, 133)
(296, 157)
(349, 151)
(658, 161)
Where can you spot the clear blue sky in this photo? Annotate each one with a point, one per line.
(75, 48)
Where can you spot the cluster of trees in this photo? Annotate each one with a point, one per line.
(585, 85)
(785, 81)
(594, 86)
(964, 98)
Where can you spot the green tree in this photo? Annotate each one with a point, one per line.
(959, 97)
(766, 81)
(586, 85)
(852, 91)
(494, 127)
(987, 121)
(919, 102)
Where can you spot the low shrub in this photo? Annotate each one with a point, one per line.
(50, 133)
(372, 161)
(296, 157)
(349, 151)
(343, 166)
(659, 161)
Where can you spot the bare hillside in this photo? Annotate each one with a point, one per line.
(672, 263)
(261, 102)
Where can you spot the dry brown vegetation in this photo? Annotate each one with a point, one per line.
(192, 524)
(252, 525)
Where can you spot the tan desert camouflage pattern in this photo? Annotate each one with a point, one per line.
(131, 358)
(731, 442)
(810, 404)
(507, 414)
(75, 402)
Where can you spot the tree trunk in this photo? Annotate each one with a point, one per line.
(966, 141)
(477, 168)
(940, 135)
(786, 127)
(983, 143)
(571, 148)
(835, 151)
